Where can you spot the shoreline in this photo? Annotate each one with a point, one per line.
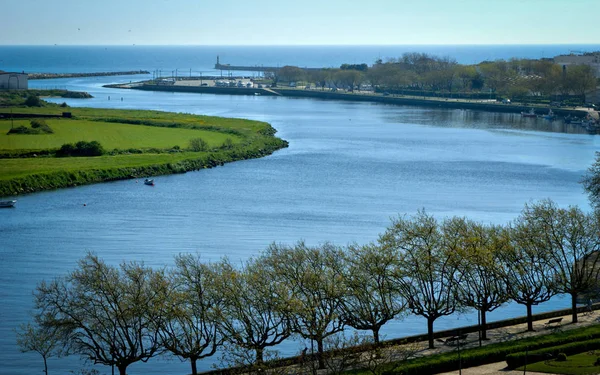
(451, 103)
(257, 142)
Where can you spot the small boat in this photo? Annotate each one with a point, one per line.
(531, 113)
(575, 121)
(7, 204)
(149, 182)
(550, 115)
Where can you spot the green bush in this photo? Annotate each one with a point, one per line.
(33, 101)
(81, 148)
(561, 357)
(198, 144)
(41, 125)
(227, 144)
(21, 130)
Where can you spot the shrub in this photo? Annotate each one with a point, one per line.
(198, 144)
(228, 144)
(81, 148)
(64, 105)
(20, 130)
(68, 149)
(41, 125)
(561, 357)
(33, 101)
(93, 148)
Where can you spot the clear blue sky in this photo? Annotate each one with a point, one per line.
(298, 22)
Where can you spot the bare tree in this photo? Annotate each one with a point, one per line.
(591, 182)
(253, 315)
(110, 315)
(190, 332)
(481, 286)
(372, 297)
(42, 339)
(526, 268)
(427, 266)
(571, 238)
(315, 289)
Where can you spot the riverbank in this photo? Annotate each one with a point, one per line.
(35, 76)
(451, 103)
(139, 144)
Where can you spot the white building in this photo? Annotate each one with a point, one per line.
(13, 81)
(590, 59)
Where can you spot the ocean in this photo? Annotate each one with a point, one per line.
(63, 59)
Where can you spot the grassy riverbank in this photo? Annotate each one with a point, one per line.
(137, 144)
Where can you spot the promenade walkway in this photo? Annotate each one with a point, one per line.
(497, 335)
(508, 334)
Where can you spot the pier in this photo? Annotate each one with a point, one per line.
(256, 68)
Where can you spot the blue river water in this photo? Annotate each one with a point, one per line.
(350, 168)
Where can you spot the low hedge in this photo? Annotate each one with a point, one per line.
(515, 360)
(445, 362)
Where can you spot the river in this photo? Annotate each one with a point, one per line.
(350, 168)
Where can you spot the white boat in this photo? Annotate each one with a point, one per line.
(149, 182)
(7, 204)
(531, 113)
(550, 115)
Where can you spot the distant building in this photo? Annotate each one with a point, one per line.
(590, 59)
(593, 96)
(13, 81)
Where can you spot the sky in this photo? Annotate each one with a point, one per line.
(298, 22)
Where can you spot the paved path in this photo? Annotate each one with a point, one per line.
(513, 333)
(491, 369)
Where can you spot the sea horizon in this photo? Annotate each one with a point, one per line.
(202, 58)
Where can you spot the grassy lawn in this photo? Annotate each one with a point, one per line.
(576, 364)
(242, 125)
(110, 135)
(13, 168)
(145, 140)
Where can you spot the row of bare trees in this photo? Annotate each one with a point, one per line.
(420, 71)
(421, 265)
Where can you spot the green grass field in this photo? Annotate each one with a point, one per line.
(149, 131)
(578, 364)
(110, 135)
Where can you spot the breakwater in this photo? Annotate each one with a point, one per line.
(362, 97)
(33, 76)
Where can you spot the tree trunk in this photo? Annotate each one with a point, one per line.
(122, 369)
(320, 353)
(529, 318)
(45, 365)
(430, 332)
(194, 369)
(483, 325)
(259, 356)
(574, 307)
(376, 334)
